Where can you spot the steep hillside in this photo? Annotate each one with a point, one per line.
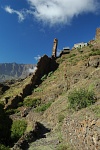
(43, 101)
(10, 71)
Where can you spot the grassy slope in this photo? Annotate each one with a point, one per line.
(16, 88)
(72, 73)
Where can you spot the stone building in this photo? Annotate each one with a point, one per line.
(66, 50)
(80, 45)
(54, 50)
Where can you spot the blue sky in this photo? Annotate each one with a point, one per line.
(28, 27)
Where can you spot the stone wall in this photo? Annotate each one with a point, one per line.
(82, 134)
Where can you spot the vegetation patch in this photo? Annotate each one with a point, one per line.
(32, 102)
(81, 98)
(72, 55)
(43, 107)
(96, 110)
(20, 104)
(12, 111)
(44, 77)
(3, 147)
(95, 52)
(50, 73)
(60, 60)
(17, 130)
(38, 89)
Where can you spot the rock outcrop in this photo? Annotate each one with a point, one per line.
(94, 61)
(44, 66)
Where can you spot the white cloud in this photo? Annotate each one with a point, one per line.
(37, 57)
(20, 14)
(60, 11)
(32, 70)
(56, 11)
(58, 52)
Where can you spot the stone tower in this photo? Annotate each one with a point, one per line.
(54, 50)
(97, 33)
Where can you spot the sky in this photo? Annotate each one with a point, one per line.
(28, 27)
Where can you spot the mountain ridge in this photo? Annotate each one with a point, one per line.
(9, 71)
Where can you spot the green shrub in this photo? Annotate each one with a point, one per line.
(95, 52)
(38, 89)
(80, 99)
(50, 73)
(96, 111)
(32, 102)
(12, 111)
(53, 77)
(44, 77)
(3, 147)
(18, 128)
(20, 104)
(43, 107)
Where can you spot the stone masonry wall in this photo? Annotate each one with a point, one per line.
(82, 134)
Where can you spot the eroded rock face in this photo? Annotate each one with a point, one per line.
(13, 102)
(44, 66)
(94, 61)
